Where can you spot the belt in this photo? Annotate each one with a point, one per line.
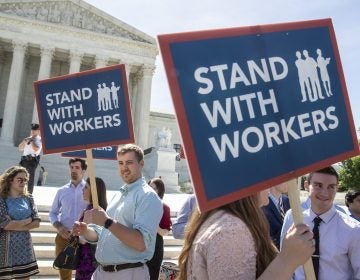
(29, 157)
(118, 267)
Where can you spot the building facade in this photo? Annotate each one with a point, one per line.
(43, 39)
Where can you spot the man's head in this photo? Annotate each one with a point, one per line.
(352, 200)
(279, 189)
(77, 167)
(131, 162)
(323, 185)
(35, 129)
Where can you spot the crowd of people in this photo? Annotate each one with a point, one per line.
(251, 238)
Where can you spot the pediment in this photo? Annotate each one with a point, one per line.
(73, 13)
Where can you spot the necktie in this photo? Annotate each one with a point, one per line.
(316, 256)
(281, 208)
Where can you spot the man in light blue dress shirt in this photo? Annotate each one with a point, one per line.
(126, 232)
(67, 206)
(339, 235)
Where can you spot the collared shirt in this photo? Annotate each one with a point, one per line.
(339, 244)
(183, 216)
(68, 204)
(28, 148)
(137, 206)
(275, 200)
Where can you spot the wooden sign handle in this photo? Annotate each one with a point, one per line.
(91, 173)
(294, 197)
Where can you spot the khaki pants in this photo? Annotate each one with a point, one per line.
(60, 244)
(136, 273)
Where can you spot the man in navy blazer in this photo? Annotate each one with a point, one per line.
(275, 211)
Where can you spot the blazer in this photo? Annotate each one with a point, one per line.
(274, 218)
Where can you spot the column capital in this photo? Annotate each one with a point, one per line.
(147, 70)
(100, 60)
(19, 45)
(76, 55)
(47, 51)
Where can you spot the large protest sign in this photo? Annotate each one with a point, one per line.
(258, 105)
(108, 153)
(84, 110)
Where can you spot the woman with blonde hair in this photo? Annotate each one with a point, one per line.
(18, 214)
(233, 242)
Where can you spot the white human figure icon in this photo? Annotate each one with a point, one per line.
(101, 101)
(303, 79)
(322, 64)
(107, 97)
(114, 96)
(311, 67)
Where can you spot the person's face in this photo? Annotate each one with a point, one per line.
(35, 132)
(87, 192)
(354, 206)
(18, 184)
(76, 171)
(129, 167)
(322, 191)
(263, 197)
(283, 188)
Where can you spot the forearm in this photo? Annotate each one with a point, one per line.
(16, 225)
(22, 145)
(130, 237)
(33, 224)
(90, 235)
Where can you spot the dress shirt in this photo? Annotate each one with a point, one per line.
(183, 216)
(28, 148)
(339, 244)
(275, 200)
(68, 204)
(136, 207)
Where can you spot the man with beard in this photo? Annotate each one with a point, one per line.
(67, 206)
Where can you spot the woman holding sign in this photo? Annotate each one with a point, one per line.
(233, 242)
(87, 251)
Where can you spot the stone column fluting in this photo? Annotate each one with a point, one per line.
(44, 72)
(75, 61)
(143, 105)
(13, 91)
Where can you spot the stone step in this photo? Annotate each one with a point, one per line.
(44, 227)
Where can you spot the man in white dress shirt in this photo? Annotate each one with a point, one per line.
(339, 235)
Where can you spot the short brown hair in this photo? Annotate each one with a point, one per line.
(82, 161)
(122, 150)
(326, 170)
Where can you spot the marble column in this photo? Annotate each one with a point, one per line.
(100, 61)
(75, 61)
(44, 73)
(143, 106)
(13, 91)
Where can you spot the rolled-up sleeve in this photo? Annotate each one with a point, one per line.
(147, 217)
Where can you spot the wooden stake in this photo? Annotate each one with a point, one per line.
(294, 197)
(91, 173)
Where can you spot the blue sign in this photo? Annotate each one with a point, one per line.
(84, 110)
(109, 152)
(257, 106)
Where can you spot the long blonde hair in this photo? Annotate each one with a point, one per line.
(249, 212)
(8, 176)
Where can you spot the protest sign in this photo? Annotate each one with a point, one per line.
(84, 110)
(258, 106)
(108, 153)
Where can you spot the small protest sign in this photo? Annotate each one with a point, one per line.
(84, 110)
(108, 153)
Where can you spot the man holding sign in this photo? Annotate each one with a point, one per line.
(126, 232)
(337, 254)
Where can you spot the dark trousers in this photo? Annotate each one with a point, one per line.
(155, 263)
(30, 166)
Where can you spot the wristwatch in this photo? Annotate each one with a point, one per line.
(108, 223)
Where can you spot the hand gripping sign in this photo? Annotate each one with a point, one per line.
(257, 106)
(84, 110)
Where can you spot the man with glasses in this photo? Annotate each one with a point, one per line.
(337, 236)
